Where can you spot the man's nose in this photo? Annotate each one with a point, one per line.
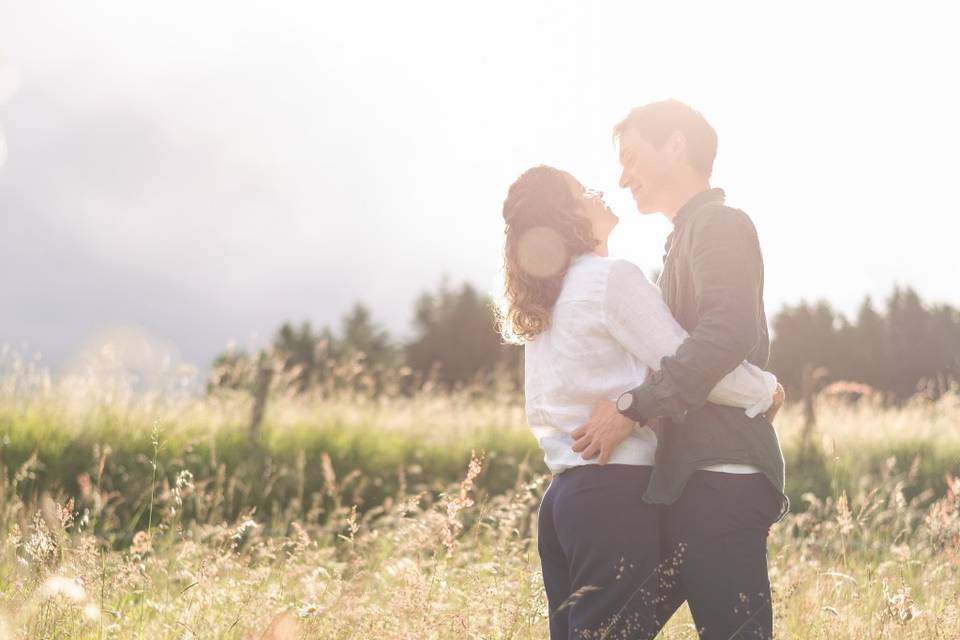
(624, 181)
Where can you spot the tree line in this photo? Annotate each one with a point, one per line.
(894, 351)
(455, 345)
(900, 349)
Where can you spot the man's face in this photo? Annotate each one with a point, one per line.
(646, 171)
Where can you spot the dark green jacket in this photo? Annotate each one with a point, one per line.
(712, 280)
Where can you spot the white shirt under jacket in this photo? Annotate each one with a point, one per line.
(608, 329)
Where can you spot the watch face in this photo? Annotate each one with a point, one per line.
(624, 401)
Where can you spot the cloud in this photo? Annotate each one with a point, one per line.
(206, 179)
(198, 222)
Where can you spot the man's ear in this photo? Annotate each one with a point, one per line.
(676, 146)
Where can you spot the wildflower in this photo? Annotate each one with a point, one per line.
(309, 609)
(900, 605)
(844, 517)
(41, 545)
(182, 486)
(241, 530)
(461, 502)
(329, 475)
(141, 543)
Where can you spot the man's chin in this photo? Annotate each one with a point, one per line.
(646, 209)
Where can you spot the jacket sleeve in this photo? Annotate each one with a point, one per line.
(727, 276)
(636, 316)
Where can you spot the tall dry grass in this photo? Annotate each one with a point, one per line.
(210, 548)
(870, 565)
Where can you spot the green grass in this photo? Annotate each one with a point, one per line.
(424, 442)
(353, 519)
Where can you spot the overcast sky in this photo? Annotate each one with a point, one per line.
(203, 171)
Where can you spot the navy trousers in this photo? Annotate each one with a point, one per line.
(714, 550)
(617, 567)
(599, 545)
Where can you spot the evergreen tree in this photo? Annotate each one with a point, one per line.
(868, 352)
(361, 335)
(456, 338)
(909, 348)
(295, 348)
(804, 335)
(231, 369)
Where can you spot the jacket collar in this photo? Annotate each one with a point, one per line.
(696, 203)
(689, 211)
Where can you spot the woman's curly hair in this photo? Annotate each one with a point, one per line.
(544, 230)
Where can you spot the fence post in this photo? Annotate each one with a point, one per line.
(261, 387)
(808, 392)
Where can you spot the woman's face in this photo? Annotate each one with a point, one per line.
(602, 219)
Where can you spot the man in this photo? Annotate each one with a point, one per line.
(718, 474)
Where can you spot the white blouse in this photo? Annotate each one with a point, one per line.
(608, 329)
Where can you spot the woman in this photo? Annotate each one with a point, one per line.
(592, 327)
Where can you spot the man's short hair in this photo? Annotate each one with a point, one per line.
(655, 122)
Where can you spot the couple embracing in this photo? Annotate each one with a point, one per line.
(650, 402)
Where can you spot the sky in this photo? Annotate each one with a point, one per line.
(195, 174)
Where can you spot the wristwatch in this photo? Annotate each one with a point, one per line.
(625, 404)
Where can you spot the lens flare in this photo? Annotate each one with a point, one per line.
(541, 252)
(66, 587)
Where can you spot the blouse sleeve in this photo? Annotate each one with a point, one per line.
(637, 317)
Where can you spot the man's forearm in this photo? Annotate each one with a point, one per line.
(727, 278)
(685, 379)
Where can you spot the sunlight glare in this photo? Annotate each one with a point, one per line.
(541, 252)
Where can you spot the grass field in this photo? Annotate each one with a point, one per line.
(129, 516)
